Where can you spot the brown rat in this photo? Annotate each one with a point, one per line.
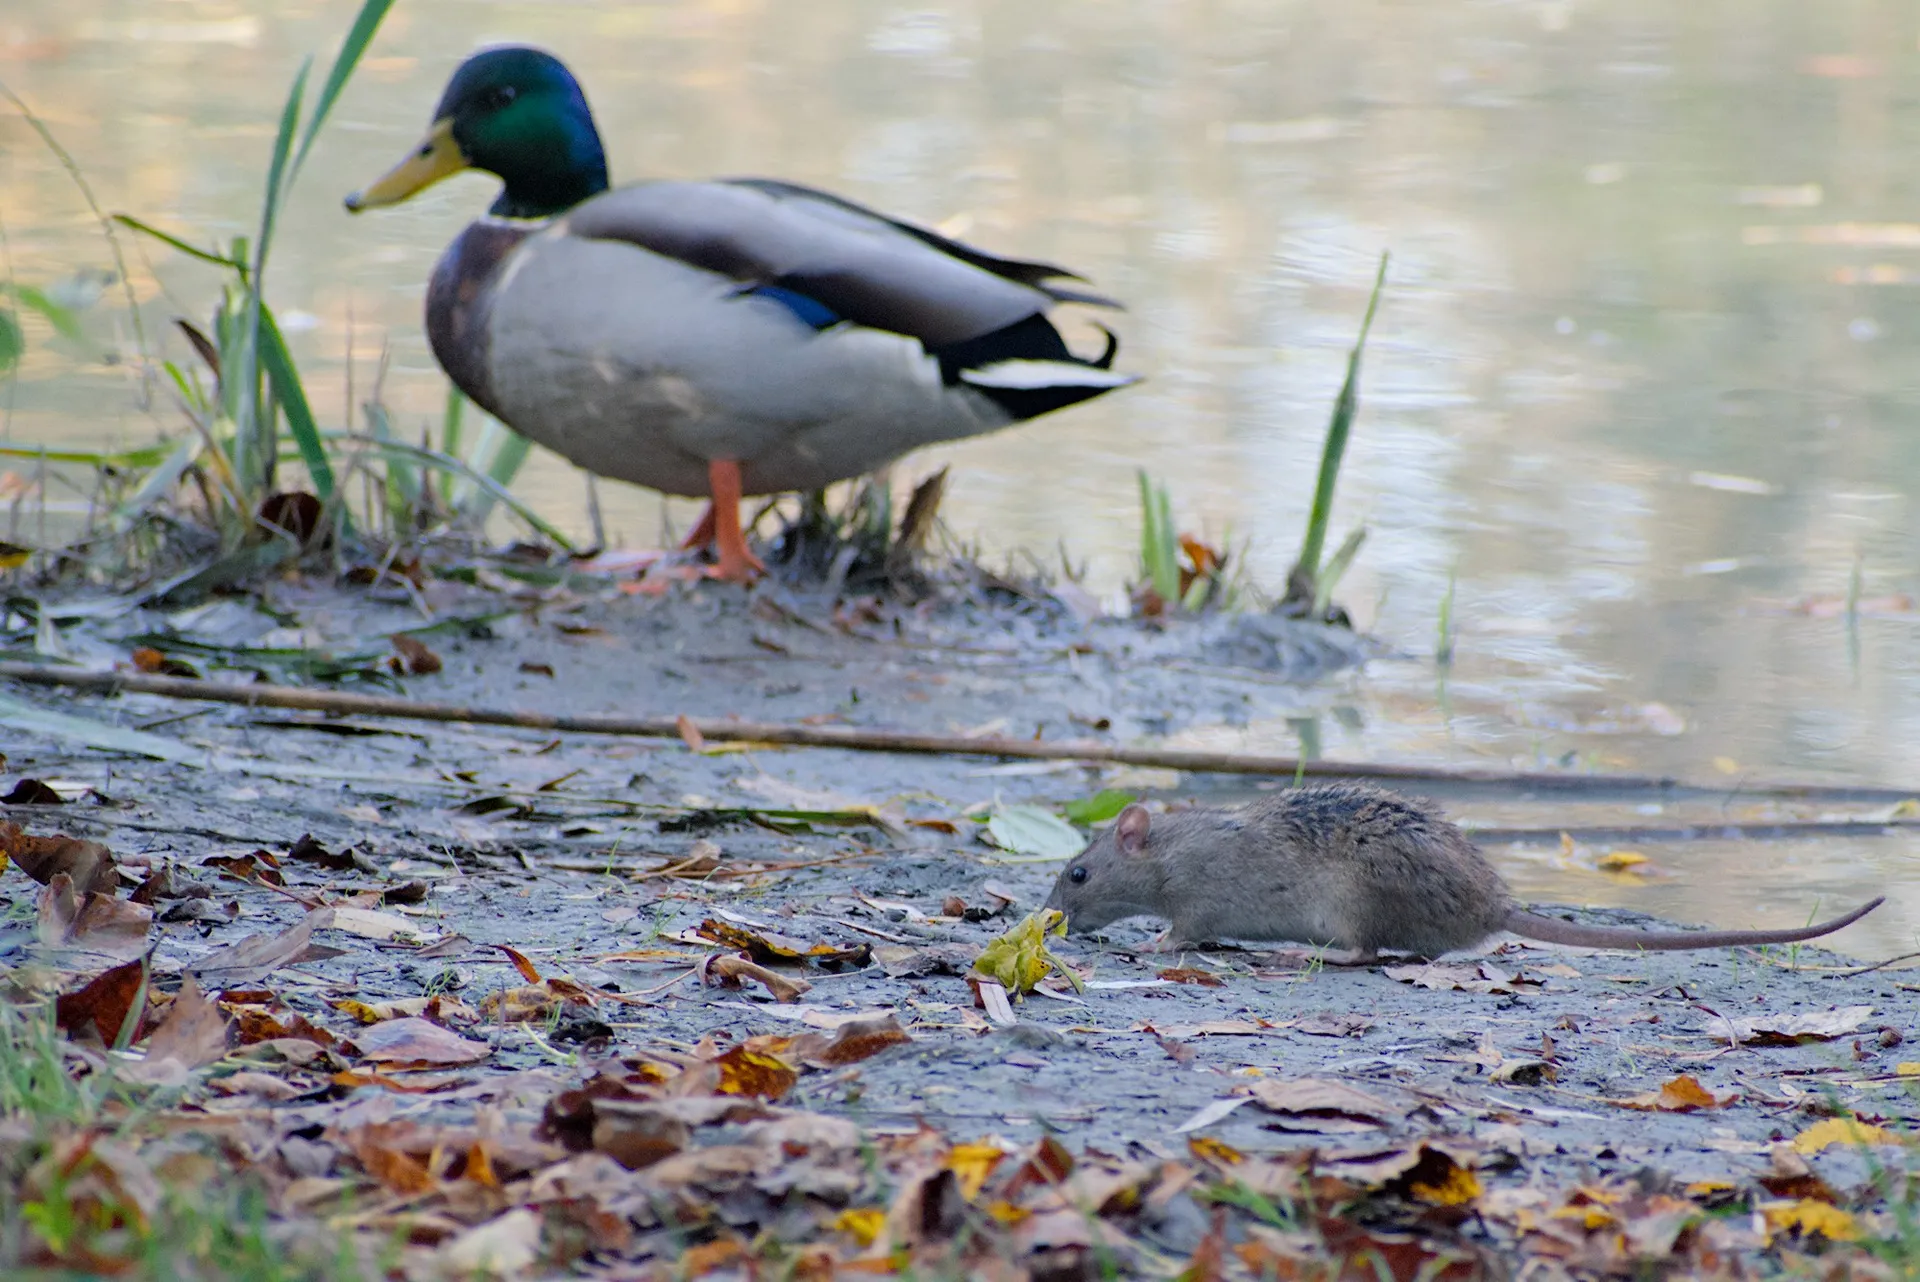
(1342, 865)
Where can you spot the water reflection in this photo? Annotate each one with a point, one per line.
(1635, 245)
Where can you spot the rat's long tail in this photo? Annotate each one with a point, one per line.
(1551, 930)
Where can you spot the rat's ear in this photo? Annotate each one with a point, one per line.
(1130, 830)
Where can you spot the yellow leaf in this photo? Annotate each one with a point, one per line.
(1908, 809)
(1710, 1188)
(1810, 1216)
(1019, 959)
(862, 1223)
(753, 1072)
(1620, 860)
(1906, 1067)
(358, 1009)
(1590, 1215)
(1459, 1187)
(1006, 1212)
(1840, 1130)
(1209, 1149)
(1726, 765)
(971, 1164)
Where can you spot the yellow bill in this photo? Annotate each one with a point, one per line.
(436, 158)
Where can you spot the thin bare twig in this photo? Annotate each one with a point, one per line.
(863, 739)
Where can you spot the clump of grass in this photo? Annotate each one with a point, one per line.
(1311, 582)
(220, 493)
(855, 544)
(1179, 573)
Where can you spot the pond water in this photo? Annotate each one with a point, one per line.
(1642, 388)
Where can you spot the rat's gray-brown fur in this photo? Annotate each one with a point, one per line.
(1343, 866)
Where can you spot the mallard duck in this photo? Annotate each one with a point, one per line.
(718, 339)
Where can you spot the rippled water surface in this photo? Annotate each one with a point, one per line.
(1643, 386)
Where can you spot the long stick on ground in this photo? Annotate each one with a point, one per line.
(861, 739)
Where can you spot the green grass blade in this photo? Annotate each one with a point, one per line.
(1336, 444)
(61, 318)
(351, 49)
(393, 448)
(125, 460)
(12, 341)
(277, 178)
(284, 378)
(452, 428)
(174, 242)
(506, 462)
(1329, 576)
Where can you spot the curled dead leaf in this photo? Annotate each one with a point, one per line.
(1683, 1094)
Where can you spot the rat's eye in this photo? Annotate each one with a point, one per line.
(1078, 875)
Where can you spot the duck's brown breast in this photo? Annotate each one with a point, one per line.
(460, 302)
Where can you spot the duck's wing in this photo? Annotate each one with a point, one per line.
(856, 264)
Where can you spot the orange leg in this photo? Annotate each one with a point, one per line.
(702, 532)
(737, 564)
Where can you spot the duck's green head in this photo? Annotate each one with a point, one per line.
(517, 113)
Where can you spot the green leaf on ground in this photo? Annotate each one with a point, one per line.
(1033, 830)
(1098, 808)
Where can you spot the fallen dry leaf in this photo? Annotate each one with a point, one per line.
(724, 969)
(1466, 977)
(768, 948)
(751, 1068)
(367, 923)
(411, 1042)
(852, 1042)
(1192, 975)
(1328, 1107)
(1841, 1130)
(411, 657)
(1810, 1218)
(1791, 1030)
(1683, 1094)
(97, 924)
(194, 1031)
(103, 1003)
(505, 1247)
(88, 864)
(257, 956)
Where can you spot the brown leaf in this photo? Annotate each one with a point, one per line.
(1684, 1094)
(411, 657)
(99, 924)
(1333, 1024)
(88, 864)
(527, 970)
(1192, 975)
(257, 956)
(690, 733)
(768, 948)
(102, 1004)
(1467, 977)
(413, 1042)
(751, 1068)
(33, 792)
(259, 867)
(1316, 1104)
(731, 970)
(853, 1041)
(194, 1031)
(308, 851)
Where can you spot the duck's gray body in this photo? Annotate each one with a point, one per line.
(661, 326)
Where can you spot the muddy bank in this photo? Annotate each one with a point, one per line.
(602, 860)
